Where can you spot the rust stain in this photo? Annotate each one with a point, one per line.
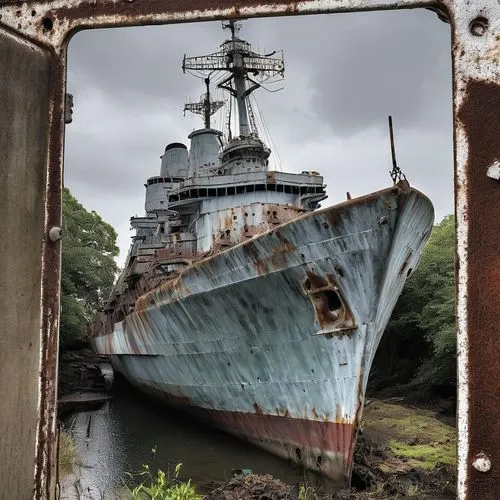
(480, 116)
(46, 429)
(331, 310)
(282, 412)
(124, 13)
(315, 281)
(271, 177)
(356, 423)
(338, 412)
(334, 214)
(279, 254)
(257, 409)
(253, 254)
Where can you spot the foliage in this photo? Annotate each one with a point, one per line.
(164, 487)
(424, 456)
(67, 451)
(88, 267)
(420, 340)
(307, 492)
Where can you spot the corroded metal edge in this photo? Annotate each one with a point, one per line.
(45, 466)
(476, 88)
(476, 106)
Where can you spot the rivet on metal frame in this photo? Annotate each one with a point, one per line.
(482, 462)
(55, 234)
(479, 26)
(494, 171)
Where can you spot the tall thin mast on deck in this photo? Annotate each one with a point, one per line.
(236, 57)
(205, 106)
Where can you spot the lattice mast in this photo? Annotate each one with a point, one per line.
(236, 57)
(205, 107)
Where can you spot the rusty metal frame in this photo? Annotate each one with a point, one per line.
(43, 30)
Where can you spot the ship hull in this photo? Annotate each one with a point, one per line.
(272, 340)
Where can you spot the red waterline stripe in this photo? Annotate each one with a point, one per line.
(326, 436)
(323, 435)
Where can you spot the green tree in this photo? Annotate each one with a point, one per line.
(88, 267)
(419, 344)
(437, 316)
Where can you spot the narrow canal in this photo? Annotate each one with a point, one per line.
(117, 439)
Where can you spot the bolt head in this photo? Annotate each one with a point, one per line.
(482, 462)
(55, 233)
(494, 171)
(478, 26)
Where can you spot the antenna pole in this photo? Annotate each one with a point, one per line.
(207, 104)
(393, 149)
(239, 76)
(230, 135)
(396, 174)
(235, 56)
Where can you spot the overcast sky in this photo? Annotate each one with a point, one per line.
(344, 74)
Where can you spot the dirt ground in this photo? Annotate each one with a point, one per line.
(79, 371)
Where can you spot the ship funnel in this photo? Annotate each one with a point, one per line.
(175, 162)
(204, 151)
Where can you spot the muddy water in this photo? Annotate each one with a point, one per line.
(118, 439)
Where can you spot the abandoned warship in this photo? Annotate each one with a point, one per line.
(244, 302)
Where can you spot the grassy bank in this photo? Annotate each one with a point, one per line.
(405, 451)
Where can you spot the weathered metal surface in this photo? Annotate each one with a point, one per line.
(52, 21)
(476, 47)
(238, 336)
(482, 301)
(475, 65)
(22, 180)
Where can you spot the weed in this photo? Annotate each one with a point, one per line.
(413, 490)
(307, 492)
(163, 487)
(67, 452)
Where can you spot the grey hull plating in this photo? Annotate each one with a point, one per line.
(272, 340)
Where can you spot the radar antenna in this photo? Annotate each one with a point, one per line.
(205, 106)
(235, 56)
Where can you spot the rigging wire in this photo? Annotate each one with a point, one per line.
(267, 134)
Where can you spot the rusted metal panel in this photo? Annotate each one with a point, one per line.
(45, 466)
(23, 152)
(476, 73)
(53, 21)
(476, 78)
(483, 291)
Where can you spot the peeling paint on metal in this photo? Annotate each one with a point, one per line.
(44, 473)
(474, 47)
(236, 334)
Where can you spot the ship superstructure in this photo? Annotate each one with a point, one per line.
(216, 194)
(243, 302)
